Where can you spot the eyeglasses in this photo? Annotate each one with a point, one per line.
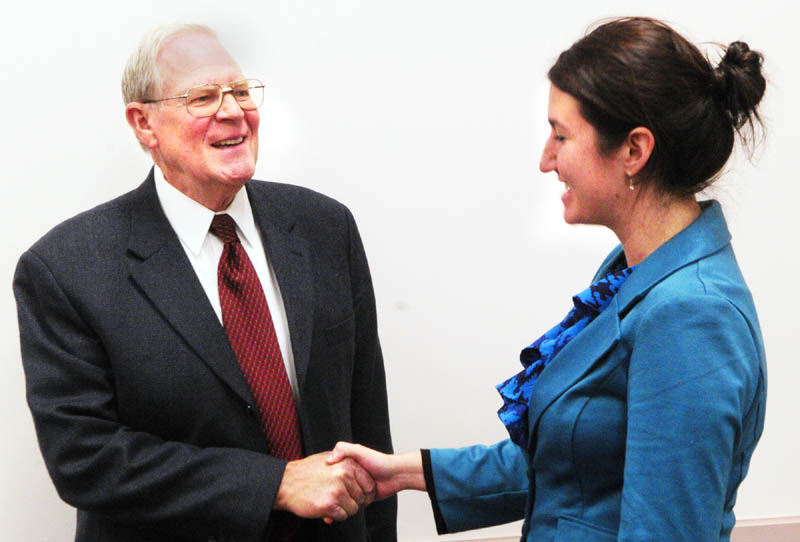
(205, 100)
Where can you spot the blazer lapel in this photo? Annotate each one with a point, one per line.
(287, 253)
(575, 360)
(160, 268)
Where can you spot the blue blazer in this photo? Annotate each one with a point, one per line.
(643, 426)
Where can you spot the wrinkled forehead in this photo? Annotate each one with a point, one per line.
(188, 60)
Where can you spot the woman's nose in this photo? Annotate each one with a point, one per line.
(548, 160)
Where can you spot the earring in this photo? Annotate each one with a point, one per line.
(631, 185)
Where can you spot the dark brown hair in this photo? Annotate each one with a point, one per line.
(638, 71)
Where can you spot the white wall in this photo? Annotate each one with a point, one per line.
(427, 118)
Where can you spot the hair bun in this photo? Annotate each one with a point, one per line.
(738, 84)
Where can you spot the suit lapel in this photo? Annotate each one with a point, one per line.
(161, 270)
(288, 254)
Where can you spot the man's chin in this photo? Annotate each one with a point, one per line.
(237, 176)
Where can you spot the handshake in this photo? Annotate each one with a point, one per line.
(337, 484)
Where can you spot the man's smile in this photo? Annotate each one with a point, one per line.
(228, 142)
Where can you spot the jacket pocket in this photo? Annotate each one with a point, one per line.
(571, 529)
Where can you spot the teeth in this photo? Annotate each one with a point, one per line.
(228, 142)
(568, 187)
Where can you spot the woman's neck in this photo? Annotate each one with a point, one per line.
(654, 220)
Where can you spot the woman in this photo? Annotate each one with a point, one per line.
(635, 418)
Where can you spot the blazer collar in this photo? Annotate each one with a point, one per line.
(706, 235)
(150, 229)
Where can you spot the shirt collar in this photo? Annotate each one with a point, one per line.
(191, 220)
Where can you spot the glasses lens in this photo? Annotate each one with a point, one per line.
(202, 101)
(249, 93)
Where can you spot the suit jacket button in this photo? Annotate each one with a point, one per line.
(251, 410)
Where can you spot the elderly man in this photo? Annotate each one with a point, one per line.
(192, 347)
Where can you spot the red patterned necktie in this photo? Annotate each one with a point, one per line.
(248, 324)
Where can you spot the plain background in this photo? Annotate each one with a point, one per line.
(427, 118)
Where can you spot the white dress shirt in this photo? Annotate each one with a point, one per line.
(191, 222)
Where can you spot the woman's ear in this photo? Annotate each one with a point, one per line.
(139, 121)
(639, 146)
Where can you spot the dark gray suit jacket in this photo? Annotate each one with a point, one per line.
(144, 418)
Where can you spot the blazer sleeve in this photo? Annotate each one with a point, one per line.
(693, 381)
(478, 486)
(100, 465)
(369, 408)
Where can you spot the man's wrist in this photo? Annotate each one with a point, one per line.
(283, 495)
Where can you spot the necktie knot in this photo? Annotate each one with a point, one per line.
(224, 227)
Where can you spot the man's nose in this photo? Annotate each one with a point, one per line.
(229, 108)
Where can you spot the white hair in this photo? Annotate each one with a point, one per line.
(141, 78)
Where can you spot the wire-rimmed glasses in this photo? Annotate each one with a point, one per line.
(205, 100)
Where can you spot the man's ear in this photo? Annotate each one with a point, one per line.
(138, 119)
(639, 144)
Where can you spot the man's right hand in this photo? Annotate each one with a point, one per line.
(312, 488)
